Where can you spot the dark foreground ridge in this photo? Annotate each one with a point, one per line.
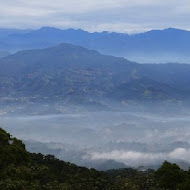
(21, 170)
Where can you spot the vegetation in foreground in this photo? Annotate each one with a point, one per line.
(21, 170)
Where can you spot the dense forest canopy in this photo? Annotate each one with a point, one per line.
(21, 170)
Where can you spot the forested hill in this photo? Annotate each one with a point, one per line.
(21, 170)
(72, 72)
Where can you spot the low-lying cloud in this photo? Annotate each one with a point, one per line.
(133, 158)
(132, 137)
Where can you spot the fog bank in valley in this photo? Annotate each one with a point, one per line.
(134, 138)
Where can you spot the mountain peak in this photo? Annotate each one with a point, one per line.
(175, 30)
(70, 47)
(48, 29)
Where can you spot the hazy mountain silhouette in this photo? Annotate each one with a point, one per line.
(169, 45)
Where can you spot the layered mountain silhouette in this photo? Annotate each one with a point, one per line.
(68, 72)
(156, 46)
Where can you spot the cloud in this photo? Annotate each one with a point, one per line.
(133, 158)
(121, 15)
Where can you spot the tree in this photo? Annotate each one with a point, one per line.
(169, 176)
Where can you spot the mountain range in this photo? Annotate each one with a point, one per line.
(76, 74)
(156, 46)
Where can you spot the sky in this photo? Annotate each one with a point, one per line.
(128, 16)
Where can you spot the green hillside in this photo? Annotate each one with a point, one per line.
(21, 170)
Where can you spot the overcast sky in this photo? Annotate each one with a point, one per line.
(96, 15)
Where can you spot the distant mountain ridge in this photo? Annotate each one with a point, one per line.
(156, 46)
